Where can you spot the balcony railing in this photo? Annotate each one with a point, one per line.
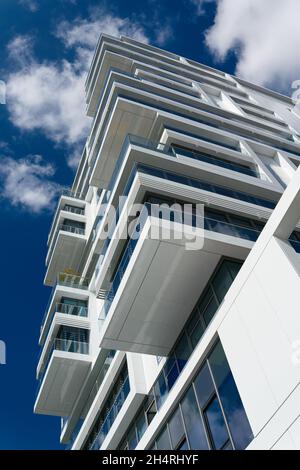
(66, 345)
(170, 151)
(64, 192)
(67, 280)
(203, 157)
(209, 223)
(72, 280)
(73, 209)
(111, 416)
(69, 193)
(72, 229)
(67, 309)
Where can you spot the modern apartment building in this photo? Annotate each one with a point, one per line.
(149, 344)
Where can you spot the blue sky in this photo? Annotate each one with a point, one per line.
(46, 46)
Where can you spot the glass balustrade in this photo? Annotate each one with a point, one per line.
(216, 223)
(111, 416)
(195, 183)
(67, 280)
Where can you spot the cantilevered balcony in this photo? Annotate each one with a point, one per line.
(68, 301)
(144, 310)
(66, 241)
(62, 368)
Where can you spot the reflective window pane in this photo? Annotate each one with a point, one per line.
(210, 311)
(163, 442)
(216, 424)
(151, 412)
(183, 446)
(233, 408)
(193, 320)
(160, 390)
(172, 376)
(132, 440)
(183, 351)
(197, 333)
(204, 386)
(221, 282)
(141, 424)
(193, 422)
(233, 268)
(176, 428)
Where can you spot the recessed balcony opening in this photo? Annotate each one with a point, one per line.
(73, 209)
(73, 226)
(72, 340)
(75, 307)
(66, 248)
(216, 160)
(61, 310)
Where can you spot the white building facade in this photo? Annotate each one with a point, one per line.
(149, 342)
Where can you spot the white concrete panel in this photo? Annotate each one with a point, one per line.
(252, 383)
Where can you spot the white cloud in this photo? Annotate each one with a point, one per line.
(85, 32)
(25, 183)
(163, 35)
(49, 96)
(264, 36)
(31, 5)
(200, 5)
(46, 96)
(20, 50)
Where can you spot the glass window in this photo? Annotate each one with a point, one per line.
(228, 446)
(176, 178)
(233, 268)
(141, 424)
(197, 333)
(132, 440)
(210, 311)
(183, 445)
(234, 219)
(233, 408)
(193, 422)
(172, 376)
(216, 216)
(151, 171)
(221, 282)
(160, 390)
(216, 424)
(176, 429)
(208, 306)
(163, 442)
(192, 321)
(183, 351)
(151, 411)
(204, 386)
